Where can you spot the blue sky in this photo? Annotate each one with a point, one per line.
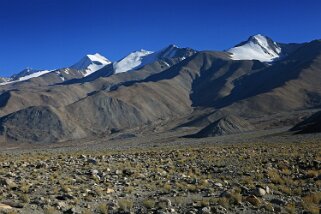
(48, 34)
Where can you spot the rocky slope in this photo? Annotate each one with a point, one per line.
(38, 124)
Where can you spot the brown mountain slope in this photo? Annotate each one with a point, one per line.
(243, 88)
(224, 126)
(101, 113)
(38, 124)
(49, 89)
(163, 96)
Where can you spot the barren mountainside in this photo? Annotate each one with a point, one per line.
(174, 85)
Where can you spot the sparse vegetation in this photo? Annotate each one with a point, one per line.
(50, 210)
(103, 208)
(125, 204)
(290, 208)
(311, 202)
(149, 203)
(178, 179)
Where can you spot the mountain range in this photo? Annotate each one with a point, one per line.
(91, 63)
(210, 93)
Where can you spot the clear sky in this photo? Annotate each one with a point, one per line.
(48, 34)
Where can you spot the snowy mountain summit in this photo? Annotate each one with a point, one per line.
(257, 47)
(134, 60)
(91, 63)
(28, 73)
(23, 75)
(138, 59)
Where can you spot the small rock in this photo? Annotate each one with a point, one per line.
(10, 174)
(61, 205)
(267, 190)
(4, 206)
(8, 182)
(218, 184)
(109, 190)
(277, 201)
(94, 171)
(65, 197)
(259, 191)
(128, 172)
(92, 161)
(206, 210)
(13, 204)
(41, 164)
(220, 210)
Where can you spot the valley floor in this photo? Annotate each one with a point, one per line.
(261, 172)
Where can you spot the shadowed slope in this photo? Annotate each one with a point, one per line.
(310, 125)
(38, 124)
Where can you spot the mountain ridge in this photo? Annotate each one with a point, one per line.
(91, 63)
(180, 84)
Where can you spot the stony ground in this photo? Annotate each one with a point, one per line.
(225, 178)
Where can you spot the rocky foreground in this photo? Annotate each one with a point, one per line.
(234, 178)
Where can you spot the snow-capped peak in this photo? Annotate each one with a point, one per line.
(142, 57)
(91, 63)
(134, 60)
(257, 47)
(25, 74)
(97, 57)
(33, 74)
